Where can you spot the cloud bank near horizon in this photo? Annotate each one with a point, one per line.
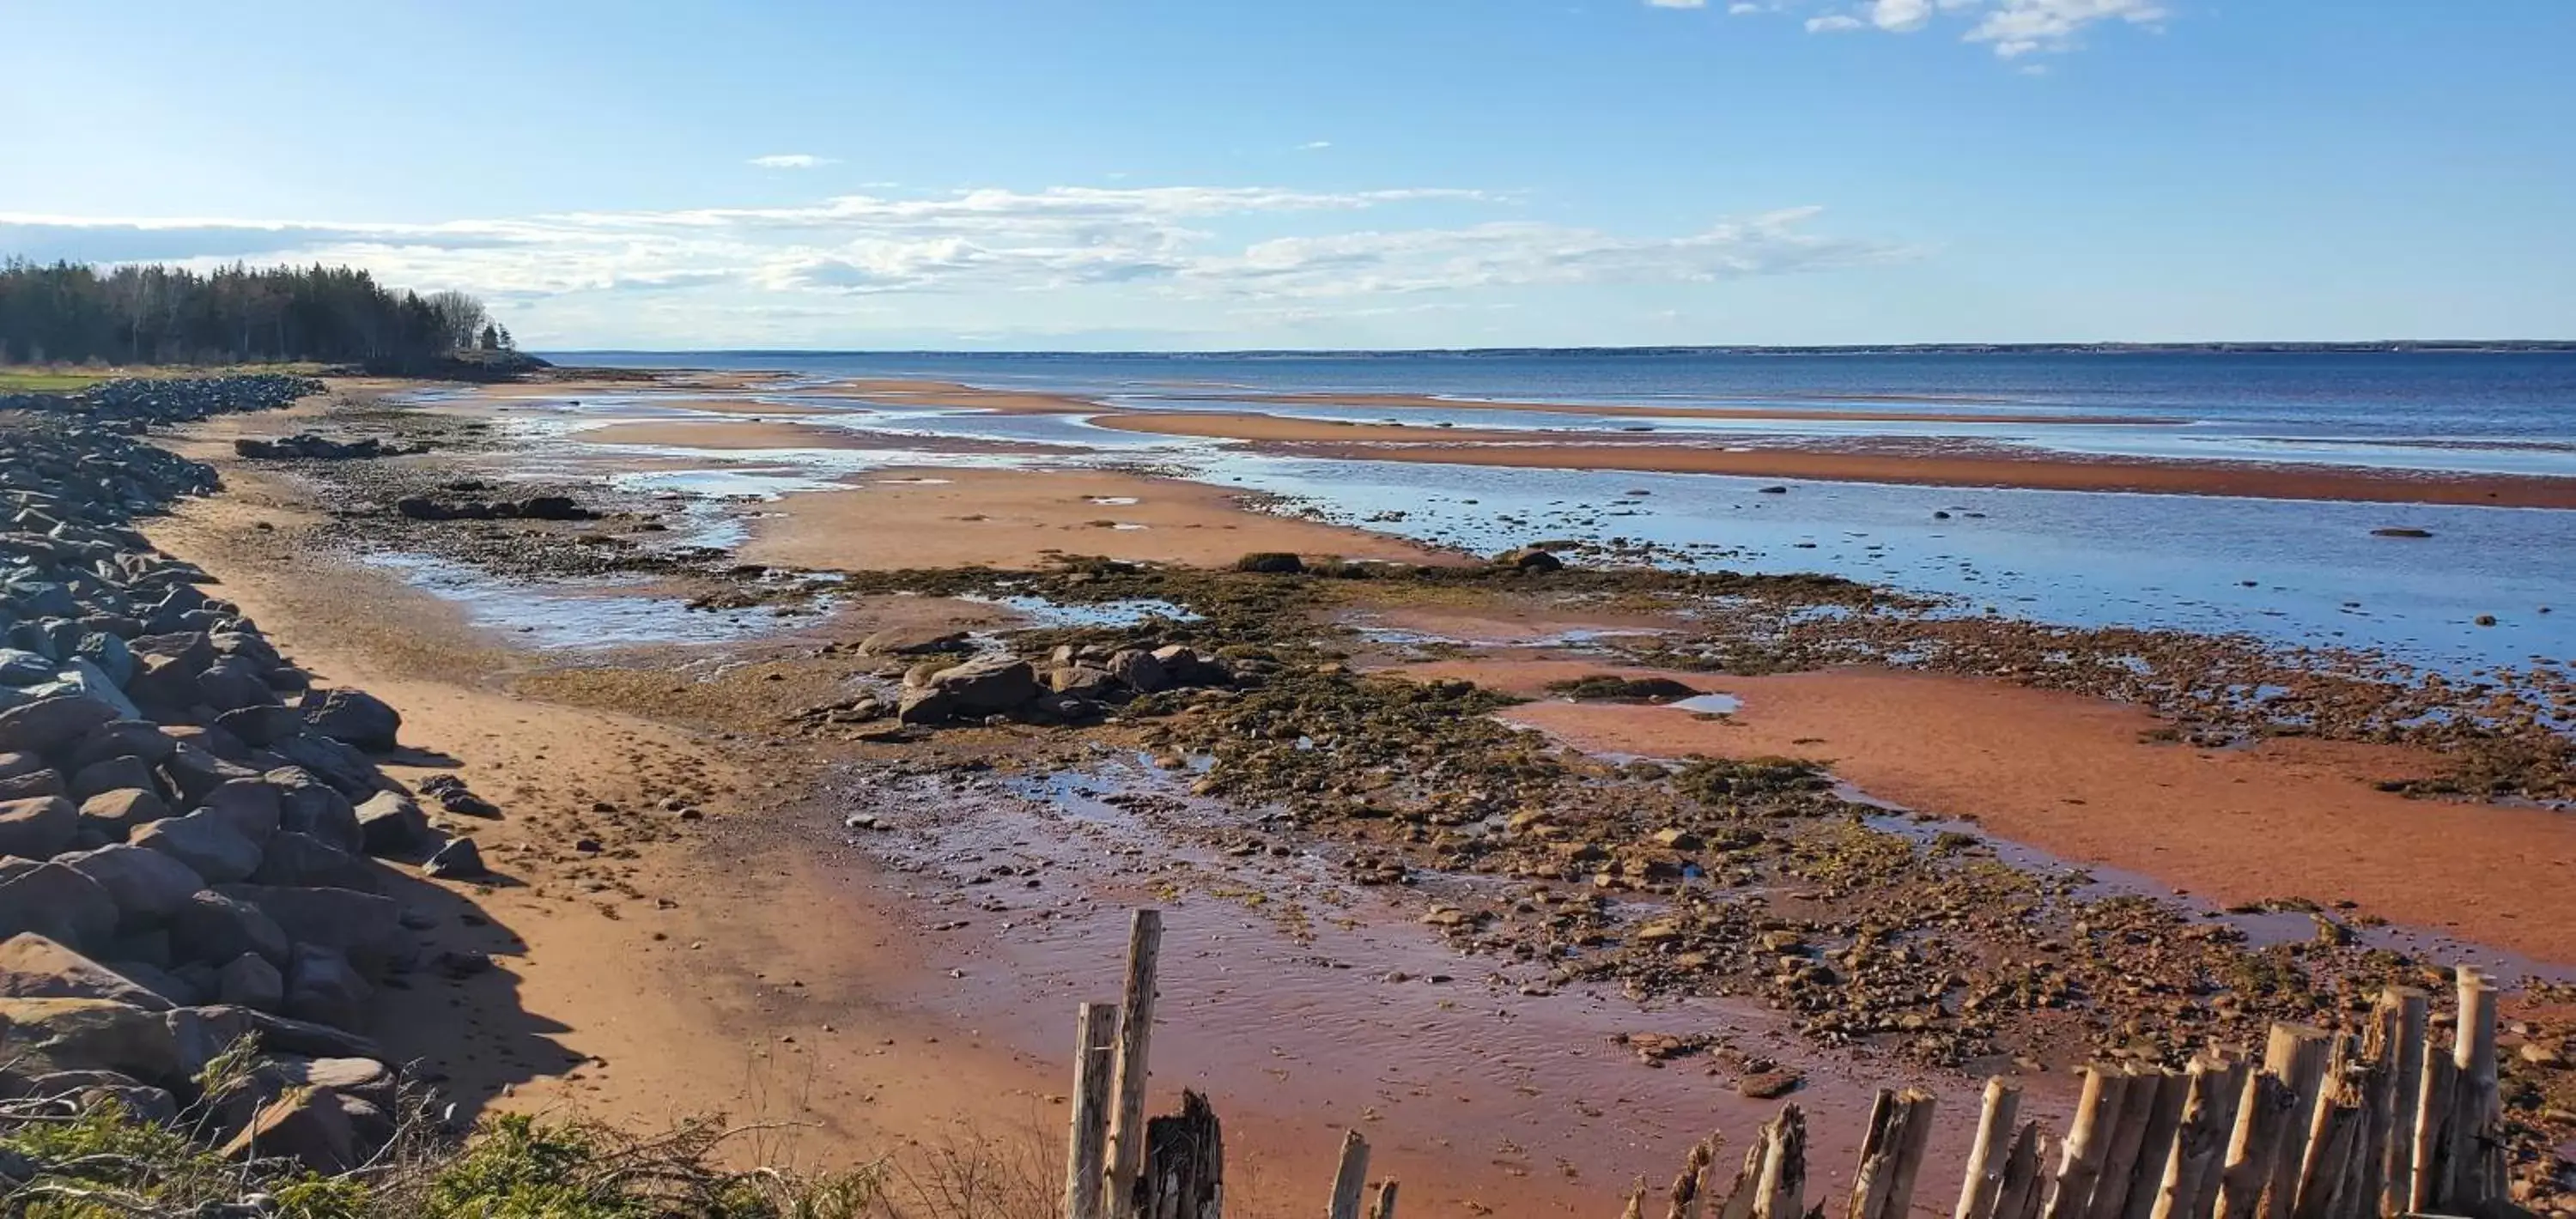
(1255, 254)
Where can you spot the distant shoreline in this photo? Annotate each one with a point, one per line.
(2379, 347)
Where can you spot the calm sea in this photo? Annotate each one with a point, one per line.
(2296, 572)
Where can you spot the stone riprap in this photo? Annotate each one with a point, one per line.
(187, 820)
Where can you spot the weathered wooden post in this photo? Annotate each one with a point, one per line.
(1095, 1045)
(2189, 1188)
(1781, 1191)
(2297, 1056)
(1350, 1178)
(2477, 1170)
(2087, 1138)
(2263, 1114)
(1987, 1157)
(2024, 1184)
(1135, 1036)
(1385, 1207)
(2406, 1094)
(2128, 1142)
(1184, 1175)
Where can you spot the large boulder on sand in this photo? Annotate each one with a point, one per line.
(988, 683)
(391, 823)
(353, 717)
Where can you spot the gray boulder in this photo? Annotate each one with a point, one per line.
(363, 927)
(147, 886)
(261, 725)
(13, 765)
(460, 859)
(34, 785)
(250, 981)
(391, 823)
(206, 844)
(35, 967)
(118, 814)
(311, 807)
(988, 684)
(122, 739)
(353, 717)
(250, 806)
(923, 705)
(49, 724)
(109, 775)
(1139, 671)
(194, 773)
(60, 904)
(74, 1034)
(215, 929)
(234, 682)
(324, 988)
(336, 763)
(303, 861)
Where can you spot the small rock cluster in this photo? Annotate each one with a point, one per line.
(1072, 685)
(305, 446)
(534, 508)
(186, 818)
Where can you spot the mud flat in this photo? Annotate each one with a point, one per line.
(1024, 518)
(866, 907)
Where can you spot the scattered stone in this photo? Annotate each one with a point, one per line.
(458, 860)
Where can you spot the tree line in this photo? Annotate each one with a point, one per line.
(75, 314)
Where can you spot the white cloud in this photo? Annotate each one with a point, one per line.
(1314, 145)
(2014, 28)
(1677, 3)
(2019, 27)
(791, 160)
(1900, 16)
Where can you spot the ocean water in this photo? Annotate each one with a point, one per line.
(2291, 571)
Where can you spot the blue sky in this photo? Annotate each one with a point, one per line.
(1332, 173)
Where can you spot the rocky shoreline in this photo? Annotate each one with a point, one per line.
(194, 925)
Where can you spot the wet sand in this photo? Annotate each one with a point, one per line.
(2070, 775)
(1569, 451)
(1024, 518)
(755, 435)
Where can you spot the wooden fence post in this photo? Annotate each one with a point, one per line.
(2189, 1187)
(2405, 1107)
(1135, 1036)
(2297, 1056)
(1350, 1178)
(1990, 1154)
(2097, 1116)
(2155, 1150)
(1891, 1155)
(2024, 1185)
(2262, 1115)
(1095, 1044)
(2477, 1169)
(1385, 1208)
